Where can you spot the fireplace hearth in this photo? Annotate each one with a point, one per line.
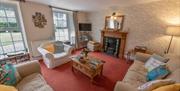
(111, 46)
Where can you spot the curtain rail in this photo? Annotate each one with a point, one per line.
(62, 8)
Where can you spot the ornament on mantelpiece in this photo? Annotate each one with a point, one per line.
(39, 20)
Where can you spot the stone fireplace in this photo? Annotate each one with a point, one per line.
(113, 42)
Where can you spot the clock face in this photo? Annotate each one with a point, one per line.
(39, 20)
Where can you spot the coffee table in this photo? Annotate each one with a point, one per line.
(92, 67)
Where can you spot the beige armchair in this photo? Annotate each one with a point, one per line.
(31, 78)
(53, 60)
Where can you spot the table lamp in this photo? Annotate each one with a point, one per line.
(172, 31)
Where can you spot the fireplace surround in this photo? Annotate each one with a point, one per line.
(111, 46)
(108, 38)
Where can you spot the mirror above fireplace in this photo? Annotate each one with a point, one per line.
(114, 22)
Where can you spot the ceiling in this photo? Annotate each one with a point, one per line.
(91, 5)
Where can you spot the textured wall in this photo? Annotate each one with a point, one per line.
(34, 33)
(146, 24)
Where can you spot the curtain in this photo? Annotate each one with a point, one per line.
(75, 20)
(72, 25)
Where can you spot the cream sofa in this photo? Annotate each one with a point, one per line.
(53, 60)
(31, 78)
(136, 74)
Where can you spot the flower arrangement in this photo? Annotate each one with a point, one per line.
(85, 52)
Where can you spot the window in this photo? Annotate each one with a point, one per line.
(11, 38)
(61, 26)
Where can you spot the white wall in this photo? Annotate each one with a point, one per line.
(82, 17)
(145, 23)
(34, 33)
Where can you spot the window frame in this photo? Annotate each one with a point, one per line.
(8, 28)
(62, 28)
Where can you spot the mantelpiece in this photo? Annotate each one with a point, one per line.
(115, 34)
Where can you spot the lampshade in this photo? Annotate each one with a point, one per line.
(173, 30)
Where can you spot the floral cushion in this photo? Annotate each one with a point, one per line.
(9, 75)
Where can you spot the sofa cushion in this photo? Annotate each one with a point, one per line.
(138, 67)
(175, 75)
(172, 87)
(153, 63)
(7, 88)
(60, 55)
(59, 47)
(135, 79)
(121, 86)
(149, 86)
(50, 48)
(33, 82)
(160, 58)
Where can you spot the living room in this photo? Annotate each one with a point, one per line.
(93, 45)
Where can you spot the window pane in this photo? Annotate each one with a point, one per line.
(10, 13)
(3, 22)
(61, 38)
(61, 23)
(19, 46)
(8, 47)
(56, 38)
(56, 33)
(5, 37)
(1, 51)
(64, 17)
(12, 22)
(66, 34)
(13, 29)
(2, 13)
(17, 36)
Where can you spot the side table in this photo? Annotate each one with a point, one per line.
(130, 56)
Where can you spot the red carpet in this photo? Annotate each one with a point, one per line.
(63, 79)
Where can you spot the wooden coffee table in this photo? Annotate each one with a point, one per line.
(91, 68)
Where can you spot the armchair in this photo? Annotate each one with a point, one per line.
(53, 60)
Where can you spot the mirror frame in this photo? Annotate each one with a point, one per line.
(122, 23)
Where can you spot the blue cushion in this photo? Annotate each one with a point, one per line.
(158, 73)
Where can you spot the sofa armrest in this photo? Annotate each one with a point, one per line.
(68, 49)
(43, 51)
(28, 68)
(143, 57)
(120, 86)
(46, 53)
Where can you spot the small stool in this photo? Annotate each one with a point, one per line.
(93, 46)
